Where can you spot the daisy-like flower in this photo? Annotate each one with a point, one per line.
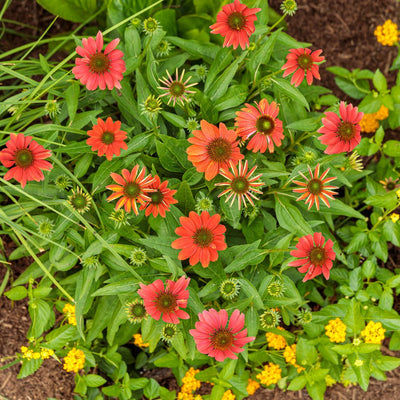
(241, 184)
(235, 22)
(166, 301)
(341, 134)
(314, 256)
(217, 339)
(303, 63)
(213, 148)
(107, 138)
(315, 188)
(261, 124)
(176, 88)
(132, 187)
(26, 157)
(98, 69)
(160, 199)
(201, 238)
(389, 184)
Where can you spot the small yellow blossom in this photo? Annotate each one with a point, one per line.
(387, 34)
(359, 363)
(369, 123)
(228, 395)
(271, 374)
(394, 217)
(290, 357)
(190, 383)
(69, 311)
(373, 333)
(24, 349)
(277, 342)
(46, 353)
(138, 341)
(329, 380)
(36, 355)
(336, 330)
(74, 361)
(382, 113)
(252, 386)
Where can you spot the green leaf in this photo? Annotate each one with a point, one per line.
(17, 293)
(232, 214)
(353, 318)
(298, 383)
(168, 158)
(251, 292)
(306, 353)
(309, 124)
(72, 99)
(386, 299)
(28, 367)
(83, 165)
(379, 81)
(244, 255)
(293, 93)
(59, 337)
(42, 317)
(93, 380)
(391, 148)
(70, 10)
(161, 244)
(387, 200)
(185, 198)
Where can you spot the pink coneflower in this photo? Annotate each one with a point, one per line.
(213, 148)
(261, 124)
(201, 238)
(166, 301)
(314, 255)
(241, 184)
(98, 69)
(26, 157)
(107, 138)
(341, 134)
(214, 338)
(176, 89)
(235, 22)
(303, 61)
(160, 199)
(315, 188)
(131, 187)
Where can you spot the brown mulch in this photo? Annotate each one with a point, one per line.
(344, 30)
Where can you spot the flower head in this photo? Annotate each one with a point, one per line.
(394, 217)
(271, 374)
(189, 383)
(289, 7)
(217, 339)
(382, 113)
(163, 48)
(203, 203)
(235, 22)
(160, 199)
(201, 71)
(138, 257)
(369, 123)
(151, 26)
(176, 88)
(373, 332)
(166, 301)
(304, 316)
(151, 107)
(131, 187)
(79, 200)
(303, 63)
(228, 395)
(74, 361)
(138, 341)
(354, 162)
(314, 256)
(107, 138)
(290, 357)
(136, 311)
(276, 288)
(390, 184)
(63, 182)
(387, 34)
(336, 330)
(169, 331)
(46, 228)
(341, 134)
(270, 318)
(277, 342)
(69, 312)
(213, 148)
(240, 184)
(120, 218)
(52, 108)
(97, 69)
(315, 188)
(260, 123)
(252, 386)
(229, 288)
(26, 157)
(201, 238)
(192, 124)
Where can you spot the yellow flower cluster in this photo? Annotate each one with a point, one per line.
(74, 361)
(69, 311)
(188, 396)
(275, 341)
(252, 386)
(394, 217)
(336, 330)
(228, 395)
(271, 374)
(138, 341)
(373, 332)
(190, 383)
(387, 34)
(370, 122)
(382, 113)
(29, 354)
(290, 357)
(329, 381)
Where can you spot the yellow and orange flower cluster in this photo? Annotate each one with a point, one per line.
(277, 342)
(69, 311)
(190, 385)
(271, 374)
(138, 341)
(373, 333)
(228, 395)
(387, 34)
(336, 330)
(290, 357)
(252, 386)
(370, 122)
(74, 361)
(30, 354)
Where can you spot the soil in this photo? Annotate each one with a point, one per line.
(344, 30)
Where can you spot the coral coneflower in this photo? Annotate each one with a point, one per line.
(26, 157)
(389, 184)
(341, 134)
(217, 339)
(315, 188)
(107, 138)
(98, 69)
(160, 199)
(241, 184)
(213, 148)
(166, 301)
(261, 124)
(314, 256)
(132, 187)
(235, 22)
(303, 61)
(201, 238)
(176, 89)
